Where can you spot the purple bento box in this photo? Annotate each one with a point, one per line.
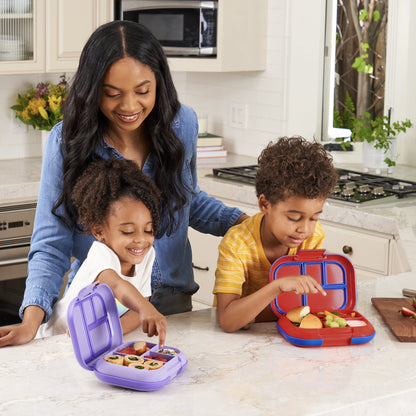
(96, 332)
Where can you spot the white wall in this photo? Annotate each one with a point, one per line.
(285, 99)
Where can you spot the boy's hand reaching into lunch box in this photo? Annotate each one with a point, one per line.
(301, 285)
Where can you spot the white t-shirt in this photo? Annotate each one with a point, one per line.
(100, 257)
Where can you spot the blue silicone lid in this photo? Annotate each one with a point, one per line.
(94, 324)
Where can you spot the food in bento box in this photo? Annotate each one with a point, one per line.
(140, 347)
(133, 359)
(152, 364)
(353, 323)
(296, 315)
(128, 350)
(168, 351)
(115, 359)
(334, 321)
(138, 366)
(311, 321)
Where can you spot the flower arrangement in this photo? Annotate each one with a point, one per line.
(41, 106)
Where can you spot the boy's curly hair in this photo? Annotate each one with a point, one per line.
(293, 166)
(108, 180)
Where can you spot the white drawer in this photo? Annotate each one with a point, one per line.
(366, 250)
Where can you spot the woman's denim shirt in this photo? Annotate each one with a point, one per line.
(54, 243)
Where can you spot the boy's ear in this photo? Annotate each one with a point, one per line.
(264, 203)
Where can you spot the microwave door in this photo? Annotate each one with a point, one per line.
(178, 51)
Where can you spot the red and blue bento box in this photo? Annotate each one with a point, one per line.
(97, 338)
(336, 275)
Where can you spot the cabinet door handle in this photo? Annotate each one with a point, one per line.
(347, 249)
(200, 268)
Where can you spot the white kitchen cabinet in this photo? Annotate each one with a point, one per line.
(70, 23)
(54, 33)
(204, 261)
(372, 253)
(22, 38)
(205, 255)
(241, 40)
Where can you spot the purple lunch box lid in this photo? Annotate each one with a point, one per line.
(94, 324)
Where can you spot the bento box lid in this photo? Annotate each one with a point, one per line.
(94, 324)
(334, 272)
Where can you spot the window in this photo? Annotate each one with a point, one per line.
(354, 64)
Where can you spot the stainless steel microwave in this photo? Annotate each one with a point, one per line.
(183, 27)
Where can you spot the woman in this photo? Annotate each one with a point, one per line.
(122, 103)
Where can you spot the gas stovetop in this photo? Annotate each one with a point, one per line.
(352, 188)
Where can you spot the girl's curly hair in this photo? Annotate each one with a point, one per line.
(108, 180)
(293, 166)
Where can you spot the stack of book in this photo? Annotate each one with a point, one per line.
(210, 145)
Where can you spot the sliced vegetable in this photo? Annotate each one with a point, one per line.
(327, 313)
(407, 312)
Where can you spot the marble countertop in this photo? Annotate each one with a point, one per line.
(253, 372)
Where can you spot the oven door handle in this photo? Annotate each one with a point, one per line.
(14, 261)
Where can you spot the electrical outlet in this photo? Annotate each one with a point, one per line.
(239, 115)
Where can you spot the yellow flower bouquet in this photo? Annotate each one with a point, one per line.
(41, 106)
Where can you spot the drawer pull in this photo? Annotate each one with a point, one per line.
(200, 268)
(347, 249)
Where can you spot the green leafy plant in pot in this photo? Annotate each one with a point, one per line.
(379, 132)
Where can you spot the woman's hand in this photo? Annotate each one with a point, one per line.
(241, 218)
(26, 331)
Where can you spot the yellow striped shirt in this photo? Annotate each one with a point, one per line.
(242, 266)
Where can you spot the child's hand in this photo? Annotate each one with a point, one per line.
(153, 322)
(299, 284)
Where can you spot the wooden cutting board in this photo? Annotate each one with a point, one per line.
(402, 327)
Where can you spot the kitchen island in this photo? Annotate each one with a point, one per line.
(251, 372)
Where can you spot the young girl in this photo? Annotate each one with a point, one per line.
(293, 181)
(118, 204)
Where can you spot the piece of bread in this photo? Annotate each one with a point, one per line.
(115, 359)
(310, 321)
(296, 314)
(133, 359)
(140, 347)
(152, 364)
(138, 366)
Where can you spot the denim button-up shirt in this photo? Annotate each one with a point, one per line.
(54, 243)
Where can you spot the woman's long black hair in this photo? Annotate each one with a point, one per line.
(84, 124)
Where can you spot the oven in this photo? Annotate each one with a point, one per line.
(353, 188)
(16, 226)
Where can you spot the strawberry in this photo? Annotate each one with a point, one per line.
(407, 312)
(414, 302)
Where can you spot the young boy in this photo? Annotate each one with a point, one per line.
(293, 181)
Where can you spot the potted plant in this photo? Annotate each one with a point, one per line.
(41, 106)
(379, 135)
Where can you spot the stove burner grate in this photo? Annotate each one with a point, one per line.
(354, 187)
